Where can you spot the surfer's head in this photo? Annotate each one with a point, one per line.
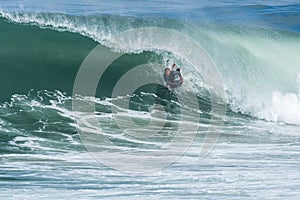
(167, 71)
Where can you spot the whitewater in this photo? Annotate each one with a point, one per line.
(44, 153)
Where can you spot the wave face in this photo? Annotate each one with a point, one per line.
(259, 66)
(33, 58)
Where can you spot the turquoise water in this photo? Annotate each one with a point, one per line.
(255, 49)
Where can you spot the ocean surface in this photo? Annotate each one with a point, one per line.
(52, 149)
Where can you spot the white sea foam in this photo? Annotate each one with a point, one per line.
(284, 107)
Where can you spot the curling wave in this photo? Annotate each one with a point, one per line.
(259, 67)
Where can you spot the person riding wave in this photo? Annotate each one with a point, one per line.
(173, 78)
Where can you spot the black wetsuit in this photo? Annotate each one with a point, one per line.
(173, 79)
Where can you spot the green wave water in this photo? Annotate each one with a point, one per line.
(256, 64)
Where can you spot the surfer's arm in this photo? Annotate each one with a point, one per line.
(173, 66)
(166, 79)
(181, 79)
